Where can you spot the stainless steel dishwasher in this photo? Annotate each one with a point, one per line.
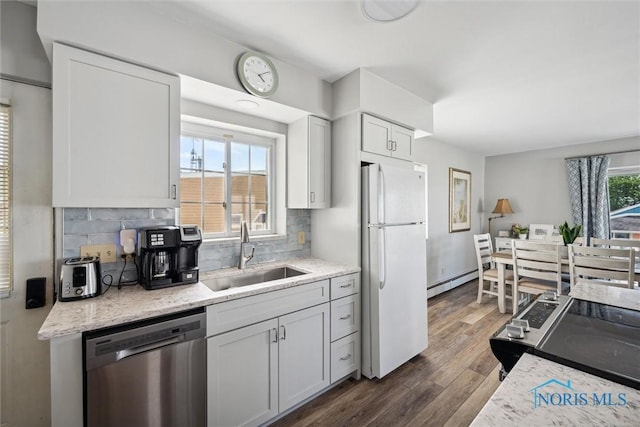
(148, 373)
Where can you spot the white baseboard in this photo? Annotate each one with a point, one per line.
(451, 283)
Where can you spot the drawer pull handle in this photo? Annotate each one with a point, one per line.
(347, 357)
(346, 285)
(345, 317)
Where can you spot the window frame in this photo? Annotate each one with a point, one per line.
(6, 286)
(229, 136)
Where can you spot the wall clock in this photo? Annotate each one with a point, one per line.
(257, 74)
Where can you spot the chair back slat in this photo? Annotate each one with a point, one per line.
(593, 272)
(616, 243)
(602, 265)
(484, 249)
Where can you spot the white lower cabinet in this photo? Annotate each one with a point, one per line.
(303, 355)
(242, 376)
(258, 371)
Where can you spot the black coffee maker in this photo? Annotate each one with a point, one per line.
(169, 256)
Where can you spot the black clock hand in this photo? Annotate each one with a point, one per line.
(260, 74)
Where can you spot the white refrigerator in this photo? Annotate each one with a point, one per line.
(394, 268)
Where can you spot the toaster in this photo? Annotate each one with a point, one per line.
(80, 278)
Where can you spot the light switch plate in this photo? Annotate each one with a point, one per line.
(301, 237)
(107, 253)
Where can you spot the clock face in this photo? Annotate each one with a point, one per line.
(257, 74)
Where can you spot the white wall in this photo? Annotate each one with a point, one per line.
(535, 182)
(25, 360)
(450, 254)
(147, 33)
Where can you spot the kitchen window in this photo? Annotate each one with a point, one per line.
(226, 177)
(5, 200)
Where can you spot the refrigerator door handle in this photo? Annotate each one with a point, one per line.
(380, 195)
(382, 261)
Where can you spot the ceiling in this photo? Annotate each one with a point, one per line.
(504, 76)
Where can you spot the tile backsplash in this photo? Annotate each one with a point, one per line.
(97, 226)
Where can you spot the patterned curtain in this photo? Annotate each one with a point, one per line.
(589, 194)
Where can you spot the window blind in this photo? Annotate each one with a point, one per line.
(5, 199)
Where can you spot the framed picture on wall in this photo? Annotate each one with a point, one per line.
(459, 200)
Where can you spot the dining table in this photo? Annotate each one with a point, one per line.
(504, 258)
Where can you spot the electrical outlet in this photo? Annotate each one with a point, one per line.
(301, 237)
(128, 241)
(107, 253)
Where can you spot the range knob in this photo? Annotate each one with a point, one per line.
(517, 328)
(79, 291)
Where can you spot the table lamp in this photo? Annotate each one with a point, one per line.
(502, 207)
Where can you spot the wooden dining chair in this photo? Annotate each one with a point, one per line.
(487, 271)
(537, 268)
(602, 266)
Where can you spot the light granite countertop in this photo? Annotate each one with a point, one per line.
(133, 303)
(517, 400)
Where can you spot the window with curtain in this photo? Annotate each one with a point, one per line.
(226, 177)
(5, 200)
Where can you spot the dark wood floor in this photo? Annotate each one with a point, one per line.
(446, 385)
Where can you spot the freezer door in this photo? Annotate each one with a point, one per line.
(396, 195)
(397, 296)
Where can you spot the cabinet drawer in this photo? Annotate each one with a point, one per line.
(345, 316)
(234, 314)
(345, 356)
(345, 285)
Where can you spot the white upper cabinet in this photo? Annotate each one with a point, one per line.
(385, 138)
(116, 132)
(309, 164)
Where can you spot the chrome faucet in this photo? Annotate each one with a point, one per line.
(244, 239)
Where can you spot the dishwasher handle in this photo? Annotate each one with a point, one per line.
(132, 351)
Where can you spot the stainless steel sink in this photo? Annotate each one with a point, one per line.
(251, 278)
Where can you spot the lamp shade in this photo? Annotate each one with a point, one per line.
(502, 207)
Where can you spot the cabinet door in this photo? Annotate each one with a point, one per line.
(319, 163)
(402, 145)
(376, 135)
(304, 354)
(242, 376)
(116, 130)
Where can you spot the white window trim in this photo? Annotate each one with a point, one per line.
(6, 286)
(218, 131)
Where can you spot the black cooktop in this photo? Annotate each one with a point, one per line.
(596, 338)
